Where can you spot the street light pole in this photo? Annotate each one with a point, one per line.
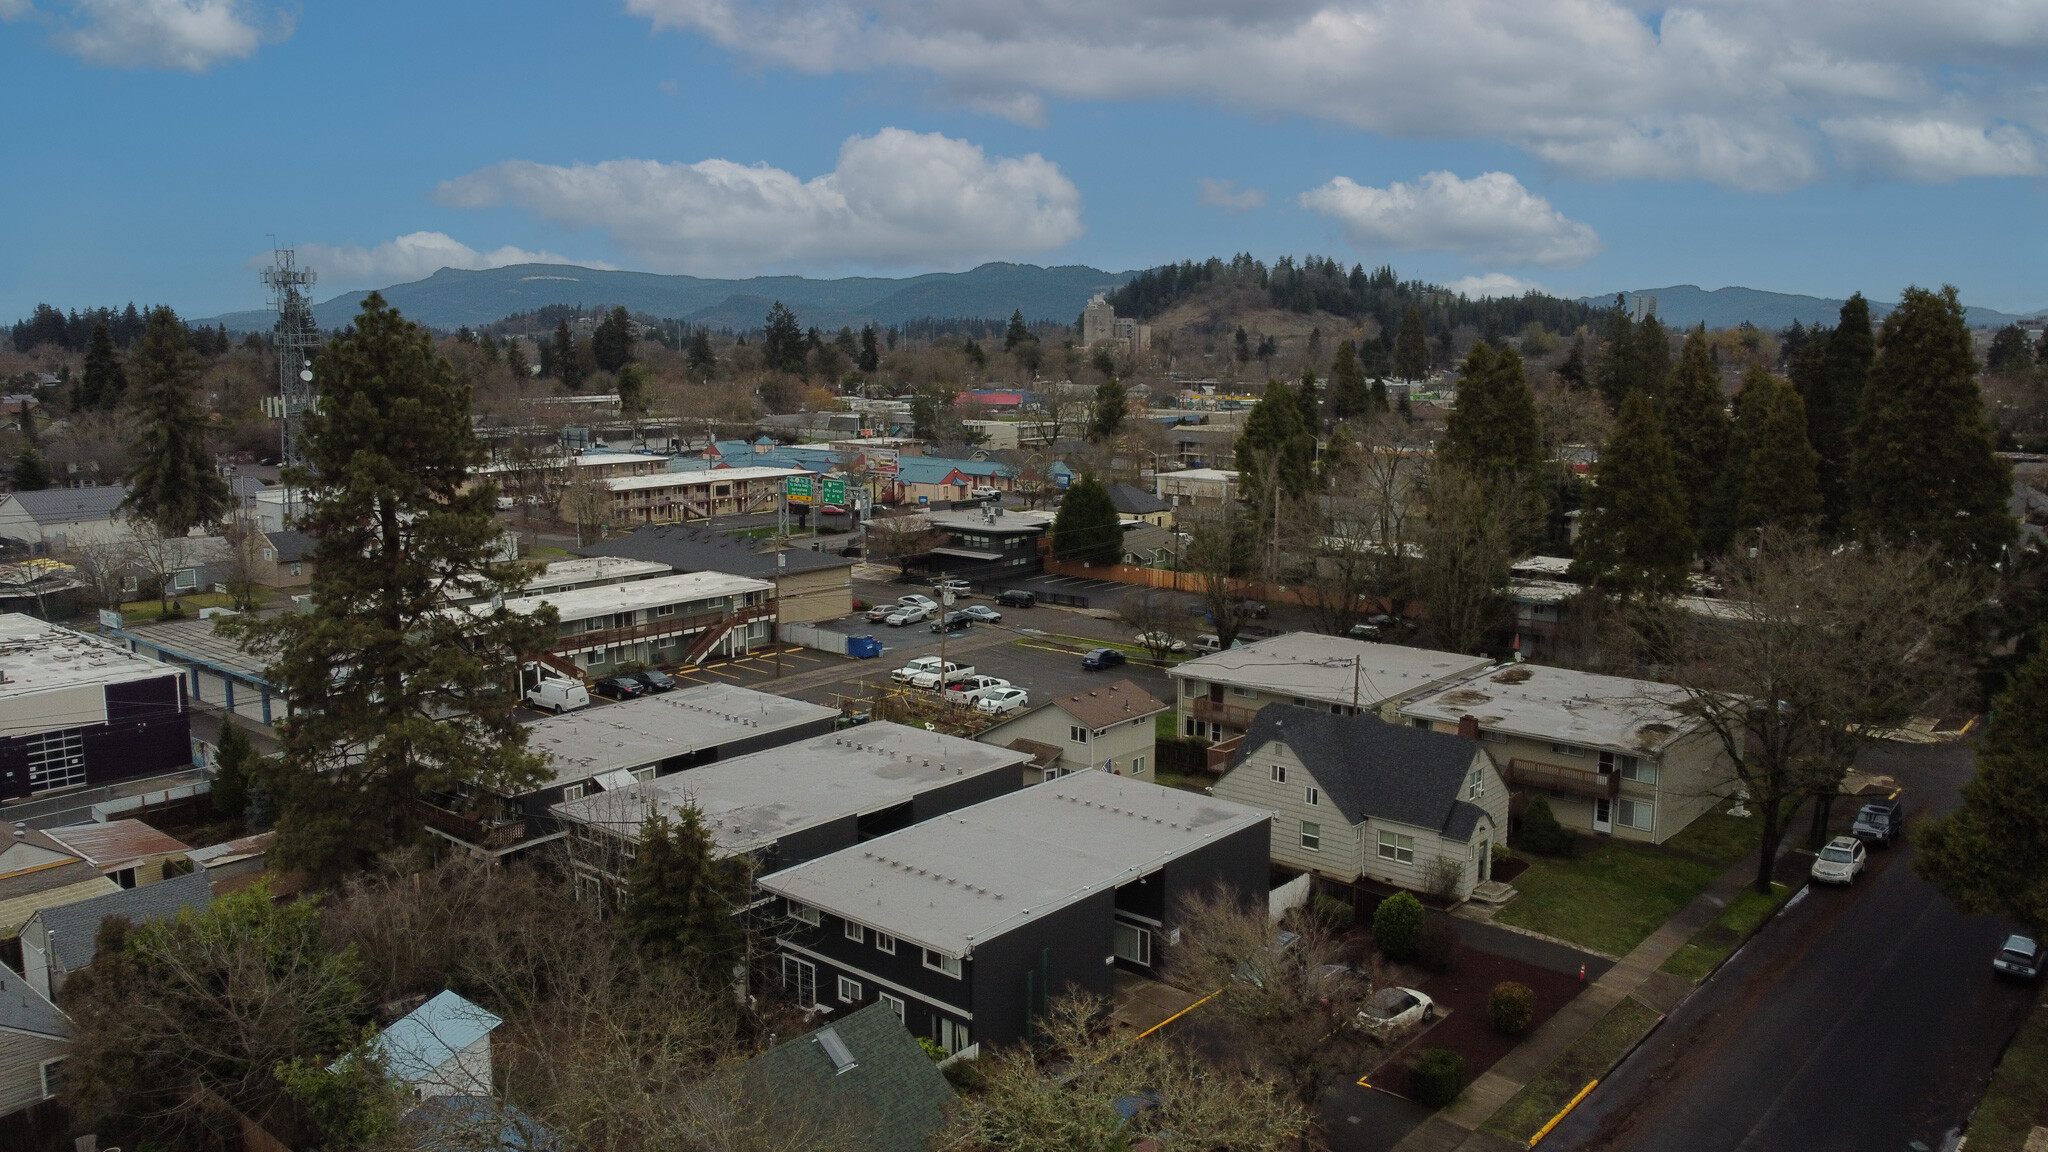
(775, 625)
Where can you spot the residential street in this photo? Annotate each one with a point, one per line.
(1858, 1020)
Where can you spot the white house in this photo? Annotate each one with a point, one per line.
(60, 519)
(1107, 729)
(441, 1048)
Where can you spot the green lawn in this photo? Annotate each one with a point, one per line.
(2017, 1099)
(140, 610)
(1607, 900)
(1718, 836)
(1193, 783)
(1165, 726)
(1589, 1058)
(1736, 923)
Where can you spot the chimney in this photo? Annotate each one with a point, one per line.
(1468, 726)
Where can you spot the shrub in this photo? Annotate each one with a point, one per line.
(1441, 877)
(1436, 1077)
(1436, 948)
(1511, 1007)
(933, 1049)
(1336, 915)
(1397, 926)
(1541, 833)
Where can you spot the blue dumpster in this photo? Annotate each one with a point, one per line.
(863, 646)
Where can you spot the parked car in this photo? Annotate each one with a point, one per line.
(957, 587)
(1879, 821)
(1251, 609)
(2020, 956)
(906, 614)
(918, 600)
(1392, 1009)
(1210, 642)
(1365, 632)
(983, 613)
(1017, 598)
(881, 612)
(1003, 701)
(923, 672)
(1840, 861)
(655, 680)
(621, 687)
(1160, 642)
(556, 694)
(1096, 659)
(954, 622)
(984, 492)
(968, 689)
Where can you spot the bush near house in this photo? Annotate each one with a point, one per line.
(1541, 833)
(1511, 1006)
(1397, 926)
(1336, 915)
(1436, 1077)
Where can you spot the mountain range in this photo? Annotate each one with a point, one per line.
(1684, 305)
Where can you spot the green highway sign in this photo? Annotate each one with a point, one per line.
(798, 488)
(835, 490)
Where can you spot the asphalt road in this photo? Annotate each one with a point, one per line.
(1858, 1020)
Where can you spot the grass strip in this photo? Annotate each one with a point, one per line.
(1736, 923)
(1719, 836)
(2017, 1100)
(1589, 1058)
(1607, 900)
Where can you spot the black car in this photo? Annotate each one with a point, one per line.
(620, 687)
(955, 622)
(1879, 821)
(655, 680)
(1096, 659)
(1251, 609)
(1016, 598)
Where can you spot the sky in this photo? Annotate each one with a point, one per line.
(161, 147)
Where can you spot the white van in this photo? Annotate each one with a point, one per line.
(555, 694)
(1210, 642)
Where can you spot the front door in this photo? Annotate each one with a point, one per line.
(1485, 860)
(1603, 815)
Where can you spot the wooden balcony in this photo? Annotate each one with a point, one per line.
(1559, 778)
(466, 830)
(669, 626)
(1228, 715)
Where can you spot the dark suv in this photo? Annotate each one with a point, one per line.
(1879, 821)
(1016, 598)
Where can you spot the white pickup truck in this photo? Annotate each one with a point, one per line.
(923, 672)
(969, 689)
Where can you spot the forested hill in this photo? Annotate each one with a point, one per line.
(1318, 284)
(1684, 305)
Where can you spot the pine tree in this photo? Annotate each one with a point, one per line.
(1923, 465)
(1721, 518)
(564, 359)
(1275, 444)
(1087, 529)
(1653, 356)
(1831, 371)
(1350, 395)
(1310, 397)
(1635, 542)
(870, 356)
(2010, 354)
(632, 388)
(235, 763)
(684, 899)
(105, 383)
(1411, 347)
(782, 341)
(1618, 373)
(1017, 333)
(172, 482)
(1986, 855)
(394, 694)
(611, 342)
(701, 360)
(31, 473)
(1112, 404)
(1573, 370)
(1696, 419)
(1780, 482)
(1493, 429)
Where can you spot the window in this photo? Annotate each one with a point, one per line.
(642, 775)
(804, 913)
(1396, 847)
(1477, 781)
(1279, 773)
(1311, 836)
(50, 1077)
(1077, 734)
(56, 759)
(1637, 814)
(1099, 732)
(270, 553)
(940, 962)
(1418, 723)
(952, 1037)
(1196, 728)
(849, 990)
(572, 792)
(665, 610)
(1299, 702)
(1051, 774)
(885, 943)
(186, 579)
(1567, 749)
(895, 1003)
(856, 933)
(800, 979)
(1137, 765)
(1133, 944)
(1245, 692)
(1630, 767)
(1311, 796)
(298, 569)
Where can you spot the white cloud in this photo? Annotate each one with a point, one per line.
(895, 199)
(1493, 284)
(1490, 218)
(12, 10)
(414, 256)
(191, 35)
(1225, 194)
(1753, 94)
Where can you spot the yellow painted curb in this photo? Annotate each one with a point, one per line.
(1554, 1120)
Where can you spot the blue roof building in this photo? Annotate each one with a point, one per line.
(441, 1048)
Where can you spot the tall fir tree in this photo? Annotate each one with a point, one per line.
(565, 358)
(611, 342)
(1924, 466)
(30, 472)
(1087, 528)
(1493, 429)
(172, 482)
(1017, 332)
(1721, 520)
(701, 360)
(782, 341)
(1277, 447)
(870, 357)
(1111, 408)
(105, 383)
(1696, 420)
(1310, 397)
(1780, 481)
(684, 898)
(395, 694)
(1831, 371)
(235, 763)
(1635, 543)
(1351, 396)
(1617, 372)
(1411, 347)
(1653, 356)
(1573, 370)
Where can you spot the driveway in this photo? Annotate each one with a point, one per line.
(1858, 1020)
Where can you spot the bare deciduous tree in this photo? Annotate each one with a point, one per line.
(1474, 530)
(1155, 621)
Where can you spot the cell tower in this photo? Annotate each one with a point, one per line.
(298, 338)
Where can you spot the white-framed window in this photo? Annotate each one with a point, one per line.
(1311, 836)
(1196, 728)
(1133, 944)
(1245, 692)
(56, 759)
(269, 554)
(298, 569)
(1299, 701)
(950, 1036)
(642, 775)
(129, 584)
(1279, 773)
(805, 914)
(856, 933)
(49, 1071)
(1051, 774)
(895, 1003)
(1631, 767)
(1137, 765)
(1311, 796)
(1494, 737)
(1638, 814)
(800, 979)
(572, 792)
(1477, 781)
(186, 580)
(1397, 847)
(1077, 734)
(665, 610)
(1567, 749)
(849, 990)
(885, 943)
(940, 962)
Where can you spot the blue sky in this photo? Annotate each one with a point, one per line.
(1581, 145)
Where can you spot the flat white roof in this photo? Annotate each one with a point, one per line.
(37, 657)
(635, 733)
(585, 569)
(1329, 668)
(633, 595)
(701, 476)
(1543, 703)
(1209, 474)
(1543, 565)
(750, 801)
(975, 873)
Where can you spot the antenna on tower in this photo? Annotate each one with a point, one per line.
(298, 338)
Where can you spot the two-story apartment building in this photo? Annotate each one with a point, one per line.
(1614, 755)
(663, 620)
(1218, 695)
(1108, 729)
(968, 925)
(673, 497)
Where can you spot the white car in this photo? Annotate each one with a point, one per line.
(918, 600)
(1840, 861)
(1392, 1009)
(1003, 701)
(970, 689)
(984, 492)
(907, 614)
(1160, 642)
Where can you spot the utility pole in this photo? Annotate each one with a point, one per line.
(1357, 673)
(945, 610)
(775, 626)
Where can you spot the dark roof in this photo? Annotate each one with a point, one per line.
(1134, 501)
(77, 924)
(470, 1123)
(67, 505)
(690, 548)
(892, 1099)
(23, 1009)
(1370, 768)
(290, 545)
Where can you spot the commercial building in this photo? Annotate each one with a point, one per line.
(674, 497)
(810, 585)
(1219, 694)
(1100, 325)
(79, 711)
(989, 543)
(1197, 487)
(968, 925)
(665, 620)
(1107, 729)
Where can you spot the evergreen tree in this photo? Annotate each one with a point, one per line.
(105, 383)
(1618, 373)
(1831, 371)
(488, 345)
(31, 473)
(611, 342)
(1275, 445)
(1310, 397)
(925, 404)
(870, 356)
(684, 899)
(1722, 518)
(1653, 356)
(1923, 463)
(1017, 333)
(515, 361)
(1573, 370)
(1087, 529)
(1493, 429)
(1351, 397)
(1780, 483)
(2010, 354)
(1635, 542)
(1411, 347)
(1986, 854)
(235, 763)
(632, 388)
(1112, 405)
(394, 695)
(172, 482)
(782, 341)
(563, 361)
(700, 359)
(1696, 419)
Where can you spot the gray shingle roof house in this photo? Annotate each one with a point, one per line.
(1356, 798)
(860, 1083)
(58, 941)
(34, 1037)
(1134, 501)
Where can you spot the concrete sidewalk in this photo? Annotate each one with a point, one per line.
(1636, 974)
